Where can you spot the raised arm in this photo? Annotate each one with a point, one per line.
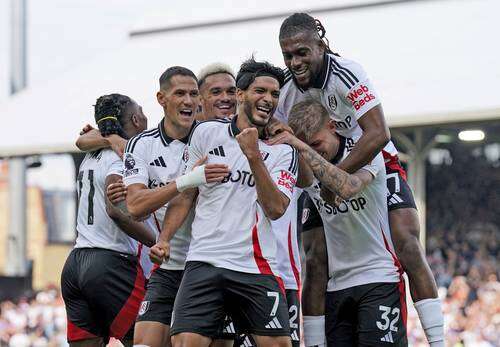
(271, 199)
(92, 140)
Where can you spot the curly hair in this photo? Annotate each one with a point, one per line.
(250, 69)
(109, 114)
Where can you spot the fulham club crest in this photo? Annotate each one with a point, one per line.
(332, 102)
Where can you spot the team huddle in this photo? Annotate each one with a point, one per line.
(190, 233)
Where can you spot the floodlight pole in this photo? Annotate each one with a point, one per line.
(16, 264)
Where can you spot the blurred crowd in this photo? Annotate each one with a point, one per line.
(463, 234)
(37, 320)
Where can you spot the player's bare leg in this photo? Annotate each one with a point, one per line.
(272, 341)
(190, 340)
(313, 293)
(405, 233)
(95, 342)
(152, 334)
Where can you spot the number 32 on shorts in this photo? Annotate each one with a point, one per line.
(385, 321)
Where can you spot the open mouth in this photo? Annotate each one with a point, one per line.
(264, 109)
(224, 107)
(186, 112)
(300, 73)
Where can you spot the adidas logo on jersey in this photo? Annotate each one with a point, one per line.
(274, 324)
(387, 338)
(218, 151)
(394, 199)
(158, 162)
(295, 336)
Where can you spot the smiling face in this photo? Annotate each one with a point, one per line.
(303, 54)
(180, 99)
(218, 96)
(259, 101)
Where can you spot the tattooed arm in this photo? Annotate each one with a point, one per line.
(338, 181)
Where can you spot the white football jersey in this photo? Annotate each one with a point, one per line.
(154, 159)
(287, 253)
(230, 229)
(343, 88)
(357, 233)
(95, 228)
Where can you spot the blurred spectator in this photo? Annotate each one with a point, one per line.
(463, 234)
(37, 321)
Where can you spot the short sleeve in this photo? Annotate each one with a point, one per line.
(284, 173)
(193, 151)
(355, 88)
(375, 165)
(310, 216)
(135, 169)
(116, 168)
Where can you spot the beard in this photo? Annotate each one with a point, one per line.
(248, 108)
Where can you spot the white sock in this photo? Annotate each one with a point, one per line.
(432, 320)
(314, 331)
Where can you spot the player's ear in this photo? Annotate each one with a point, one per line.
(240, 95)
(160, 96)
(135, 120)
(331, 125)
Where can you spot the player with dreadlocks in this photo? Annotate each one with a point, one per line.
(344, 89)
(106, 248)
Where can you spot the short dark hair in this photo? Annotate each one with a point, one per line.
(307, 117)
(250, 69)
(174, 71)
(110, 113)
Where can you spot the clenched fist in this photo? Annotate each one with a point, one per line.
(159, 252)
(247, 140)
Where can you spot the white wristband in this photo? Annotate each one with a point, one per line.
(192, 179)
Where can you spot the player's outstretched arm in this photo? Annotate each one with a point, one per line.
(142, 201)
(375, 136)
(271, 199)
(305, 176)
(90, 139)
(337, 180)
(136, 230)
(176, 213)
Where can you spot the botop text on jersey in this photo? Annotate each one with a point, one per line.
(357, 233)
(230, 229)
